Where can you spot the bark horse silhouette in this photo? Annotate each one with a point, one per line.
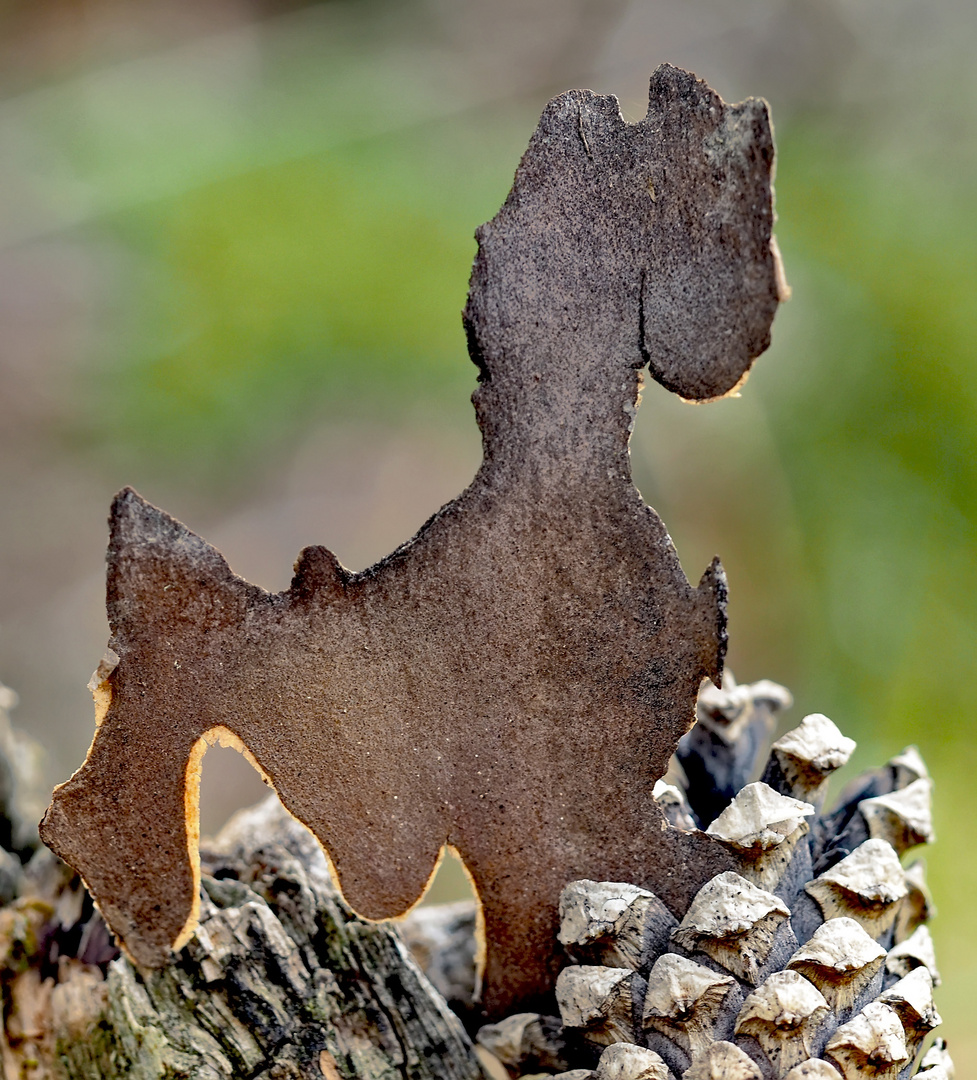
(513, 679)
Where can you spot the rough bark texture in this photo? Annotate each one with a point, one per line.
(536, 646)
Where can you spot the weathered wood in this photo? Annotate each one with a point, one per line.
(430, 699)
(279, 980)
(784, 1016)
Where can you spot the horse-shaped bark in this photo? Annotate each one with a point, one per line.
(513, 680)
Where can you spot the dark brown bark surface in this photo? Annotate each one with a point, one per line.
(532, 656)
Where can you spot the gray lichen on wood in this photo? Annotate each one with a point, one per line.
(280, 980)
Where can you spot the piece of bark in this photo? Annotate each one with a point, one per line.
(802, 760)
(613, 924)
(720, 754)
(784, 1015)
(844, 962)
(414, 704)
(735, 924)
(625, 1061)
(280, 979)
(723, 1061)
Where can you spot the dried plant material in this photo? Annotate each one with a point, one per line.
(614, 924)
(719, 755)
(937, 1058)
(815, 1069)
(784, 1016)
(526, 1042)
(917, 907)
(602, 1001)
(846, 827)
(432, 698)
(912, 1000)
(280, 979)
(907, 768)
(684, 1000)
(674, 805)
(574, 1074)
(904, 817)
(625, 1061)
(872, 1044)
(734, 923)
(916, 951)
(802, 760)
(840, 959)
(723, 1061)
(866, 886)
(762, 828)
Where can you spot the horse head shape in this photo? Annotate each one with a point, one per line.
(513, 680)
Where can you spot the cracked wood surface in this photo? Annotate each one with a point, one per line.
(513, 680)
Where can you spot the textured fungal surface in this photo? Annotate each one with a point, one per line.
(536, 648)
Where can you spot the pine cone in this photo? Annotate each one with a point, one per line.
(812, 960)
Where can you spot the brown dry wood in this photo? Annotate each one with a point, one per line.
(514, 679)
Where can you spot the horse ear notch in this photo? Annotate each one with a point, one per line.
(712, 288)
(318, 573)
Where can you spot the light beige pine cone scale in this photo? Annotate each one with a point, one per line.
(811, 961)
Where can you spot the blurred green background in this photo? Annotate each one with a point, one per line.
(234, 244)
